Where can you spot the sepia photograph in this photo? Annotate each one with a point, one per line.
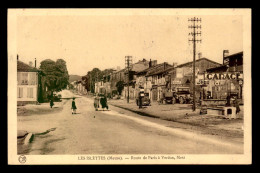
(129, 86)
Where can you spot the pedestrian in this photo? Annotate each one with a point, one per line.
(228, 100)
(96, 103)
(51, 103)
(236, 103)
(140, 101)
(105, 101)
(73, 106)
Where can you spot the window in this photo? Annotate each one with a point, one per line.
(24, 79)
(29, 92)
(32, 78)
(20, 92)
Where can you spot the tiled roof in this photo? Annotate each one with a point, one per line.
(157, 69)
(222, 67)
(189, 63)
(234, 55)
(22, 67)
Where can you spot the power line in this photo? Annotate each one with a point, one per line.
(128, 63)
(194, 33)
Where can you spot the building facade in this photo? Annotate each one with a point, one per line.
(227, 79)
(181, 75)
(27, 84)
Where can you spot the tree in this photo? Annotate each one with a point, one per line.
(92, 76)
(56, 76)
(120, 87)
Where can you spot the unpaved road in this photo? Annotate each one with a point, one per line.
(112, 132)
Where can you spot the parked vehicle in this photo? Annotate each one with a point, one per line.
(182, 95)
(145, 100)
(169, 98)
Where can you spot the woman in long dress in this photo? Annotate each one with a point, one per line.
(73, 106)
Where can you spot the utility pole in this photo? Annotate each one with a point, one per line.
(194, 33)
(128, 62)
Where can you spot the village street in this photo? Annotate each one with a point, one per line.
(111, 132)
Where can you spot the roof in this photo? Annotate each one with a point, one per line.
(22, 67)
(222, 67)
(189, 63)
(235, 55)
(162, 71)
(159, 69)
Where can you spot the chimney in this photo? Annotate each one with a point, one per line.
(225, 54)
(154, 62)
(35, 62)
(164, 65)
(200, 55)
(174, 64)
(150, 63)
(17, 57)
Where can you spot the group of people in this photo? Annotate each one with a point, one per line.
(73, 105)
(100, 99)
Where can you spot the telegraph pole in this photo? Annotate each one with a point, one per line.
(194, 33)
(128, 62)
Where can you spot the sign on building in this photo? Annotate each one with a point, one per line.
(176, 82)
(223, 76)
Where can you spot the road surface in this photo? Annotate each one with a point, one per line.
(114, 132)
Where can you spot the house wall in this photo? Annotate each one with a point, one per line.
(27, 87)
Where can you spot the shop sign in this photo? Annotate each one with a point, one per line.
(176, 82)
(223, 76)
(201, 82)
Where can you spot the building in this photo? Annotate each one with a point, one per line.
(181, 75)
(153, 79)
(134, 70)
(28, 78)
(122, 75)
(80, 87)
(227, 79)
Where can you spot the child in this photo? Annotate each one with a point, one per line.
(51, 103)
(73, 107)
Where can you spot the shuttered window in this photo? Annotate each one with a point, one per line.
(24, 79)
(32, 78)
(29, 92)
(20, 92)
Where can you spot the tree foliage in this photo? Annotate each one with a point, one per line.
(56, 74)
(93, 76)
(120, 87)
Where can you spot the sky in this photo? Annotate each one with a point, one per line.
(103, 41)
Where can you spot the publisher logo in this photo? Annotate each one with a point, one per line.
(22, 159)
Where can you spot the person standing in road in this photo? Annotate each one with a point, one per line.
(105, 102)
(140, 101)
(236, 103)
(51, 103)
(73, 106)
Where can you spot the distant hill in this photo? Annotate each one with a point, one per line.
(74, 77)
